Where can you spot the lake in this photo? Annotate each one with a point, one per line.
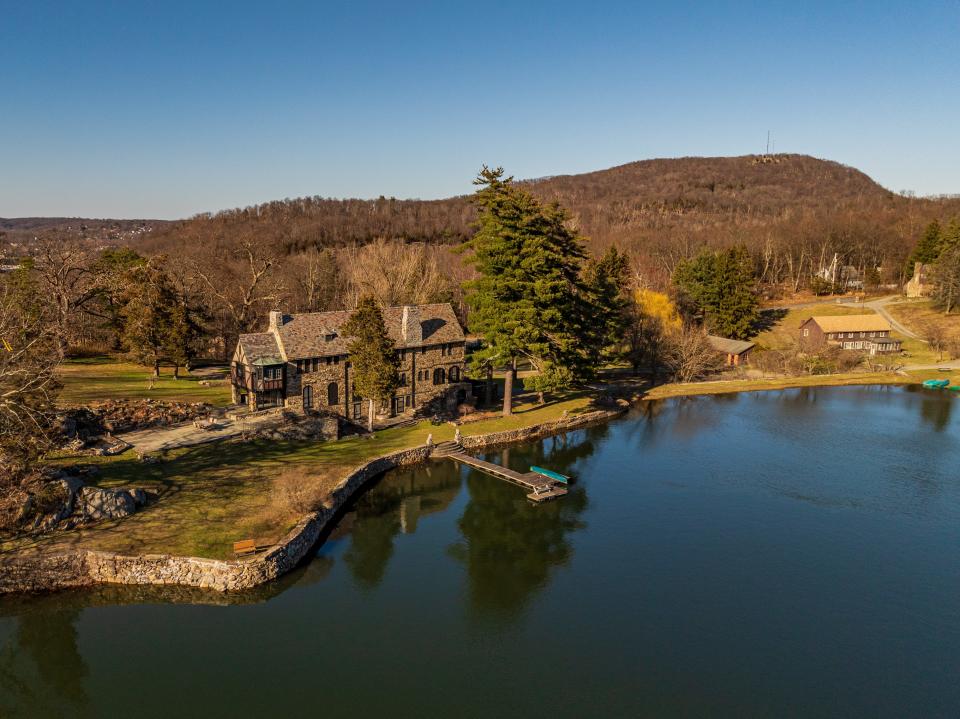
(789, 553)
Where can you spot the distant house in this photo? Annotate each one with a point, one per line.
(919, 285)
(870, 333)
(735, 351)
(841, 276)
(302, 362)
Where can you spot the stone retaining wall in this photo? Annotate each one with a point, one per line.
(34, 573)
(85, 568)
(536, 431)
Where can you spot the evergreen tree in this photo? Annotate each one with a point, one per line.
(529, 300)
(737, 305)
(946, 279)
(949, 237)
(928, 247)
(722, 287)
(375, 364)
(156, 324)
(113, 270)
(695, 285)
(606, 279)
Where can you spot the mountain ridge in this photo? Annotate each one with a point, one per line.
(704, 200)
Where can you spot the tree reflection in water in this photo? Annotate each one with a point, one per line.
(935, 412)
(393, 505)
(510, 545)
(41, 670)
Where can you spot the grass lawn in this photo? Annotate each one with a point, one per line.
(101, 378)
(918, 352)
(784, 333)
(821, 380)
(917, 315)
(212, 495)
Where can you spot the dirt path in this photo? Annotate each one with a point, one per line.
(946, 364)
(187, 435)
(879, 306)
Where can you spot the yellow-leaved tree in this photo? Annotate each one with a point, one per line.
(653, 319)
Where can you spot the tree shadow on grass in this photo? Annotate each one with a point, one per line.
(767, 320)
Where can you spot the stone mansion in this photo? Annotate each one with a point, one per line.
(302, 362)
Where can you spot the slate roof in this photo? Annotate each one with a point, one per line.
(728, 346)
(305, 335)
(260, 348)
(852, 323)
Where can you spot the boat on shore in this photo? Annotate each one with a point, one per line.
(936, 383)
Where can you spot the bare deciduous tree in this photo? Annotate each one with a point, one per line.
(690, 356)
(936, 336)
(396, 273)
(64, 267)
(240, 289)
(28, 360)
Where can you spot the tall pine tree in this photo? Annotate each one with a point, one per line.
(606, 280)
(529, 301)
(156, 325)
(375, 363)
(928, 247)
(722, 287)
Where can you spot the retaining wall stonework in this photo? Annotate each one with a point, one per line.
(34, 573)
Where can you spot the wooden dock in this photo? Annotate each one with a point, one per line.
(540, 488)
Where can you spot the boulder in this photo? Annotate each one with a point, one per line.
(94, 504)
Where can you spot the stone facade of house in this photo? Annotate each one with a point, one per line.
(302, 362)
(919, 285)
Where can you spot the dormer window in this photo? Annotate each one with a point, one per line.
(330, 336)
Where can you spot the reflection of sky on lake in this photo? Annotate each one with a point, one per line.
(788, 553)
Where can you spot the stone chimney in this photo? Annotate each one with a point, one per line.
(411, 331)
(276, 320)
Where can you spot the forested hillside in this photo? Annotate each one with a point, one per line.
(794, 216)
(793, 210)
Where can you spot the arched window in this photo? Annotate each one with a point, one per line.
(307, 396)
(333, 394)
(454, 375)
(439, 376)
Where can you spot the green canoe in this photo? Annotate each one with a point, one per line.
(551, 474)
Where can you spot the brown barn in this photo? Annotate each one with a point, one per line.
(302, 362)
(869, 333)
(735, 351)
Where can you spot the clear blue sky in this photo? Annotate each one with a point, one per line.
(165, 109)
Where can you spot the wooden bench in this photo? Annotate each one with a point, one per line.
(247, 546)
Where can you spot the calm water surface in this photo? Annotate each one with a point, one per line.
(780, 554)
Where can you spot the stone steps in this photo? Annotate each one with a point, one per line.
(445, 449)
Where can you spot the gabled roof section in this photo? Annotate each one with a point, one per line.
(319, 334)
(852, 323)
(729, 346)
(260, 348)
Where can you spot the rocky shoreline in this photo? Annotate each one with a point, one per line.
(84, 568)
